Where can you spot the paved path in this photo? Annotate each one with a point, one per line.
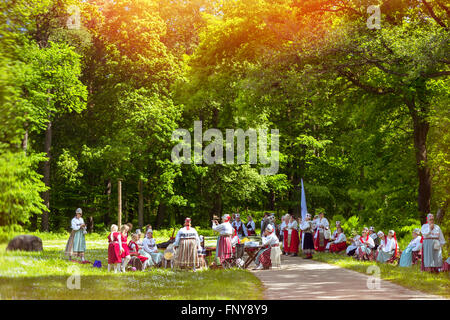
(303, 279)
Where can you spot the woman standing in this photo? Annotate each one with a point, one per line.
(322, 225)
(187, 244)
(126, 252)
(114, 248)
(293, 236)
(251, 227)
(150, 250)
(308, 242)
(433, 240)
(224, 248)
(284, 233)
(76, 245)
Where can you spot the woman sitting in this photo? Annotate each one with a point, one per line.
(150, 250)
(339, 241)
(411, 254)
(134, 249)
(351, 249)
(365, 246)
(269, 240)
(388, 247)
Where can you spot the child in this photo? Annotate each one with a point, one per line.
(134, 248)
(126, 252)
(114, 249)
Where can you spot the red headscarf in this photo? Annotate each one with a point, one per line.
(187, 221)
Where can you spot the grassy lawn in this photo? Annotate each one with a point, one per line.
(410, 277)
(44, 275)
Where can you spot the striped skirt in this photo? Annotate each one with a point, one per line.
(431, 258)
(224, 249)
(76, 245)
(186, 255)
(263, 258)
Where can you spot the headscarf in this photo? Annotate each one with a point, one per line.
(79, 211)
(430, 215)
(269, 228)
(371, 229)
(396, 244)
(187, 221)
(338, 223)
(226, 217)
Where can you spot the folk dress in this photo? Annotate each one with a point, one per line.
(308, 242)
(320, 242)
(339, 244)
(114, 244)
(431, 256)
(150, 250)
(134, 250)
(291, 238)
(76, 245)
(263, 256)
(414, 246)
(386, 249)
(224, 248)
(364, 246)
(251, 228)
(187, 242)
(240, 228)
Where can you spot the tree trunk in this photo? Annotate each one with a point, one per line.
(161, 215)
(141, 204)
(441, 212)
(46, 178)
(25, 142)
(421, 127)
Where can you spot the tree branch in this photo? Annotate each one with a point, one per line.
(433, 15)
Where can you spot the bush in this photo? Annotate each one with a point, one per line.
(9, 232)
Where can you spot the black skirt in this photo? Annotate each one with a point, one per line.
(308, 242)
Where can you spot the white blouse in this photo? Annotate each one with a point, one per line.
(340, 238)
(236, 226)
(76, 223)
(387, 245)
(271, 240)
(224, 229)
(149, 245)
(435, 233)
(184, 233)
(252, 225)
(306, 226)
(292, 226)
(415, 244)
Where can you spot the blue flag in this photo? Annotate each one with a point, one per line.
(303, 203)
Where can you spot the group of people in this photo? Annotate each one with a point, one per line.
(311, 235)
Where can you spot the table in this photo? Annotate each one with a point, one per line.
(252, 252)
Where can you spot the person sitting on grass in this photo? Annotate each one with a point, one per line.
(134, 249)
(339, 243)
(388, 247)
(269, 240)
(351, 249)
(410, 255)
(114, 249)
(365, 246)
(374, 236)
(150, 250)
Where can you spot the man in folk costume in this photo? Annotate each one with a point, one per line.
(269, 240)
(76, 245)
(239, 226)
(365, 245)
(411, 253)
(388, 248)
(433, 240)
(224, 249)
(250, 226)
(322, 226)
(339, 243)
(187, 243)
(308, 242)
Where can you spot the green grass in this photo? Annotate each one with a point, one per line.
(44, 275)
(410, 277)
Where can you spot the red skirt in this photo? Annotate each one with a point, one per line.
(225, 250)
(264, 258)
(291, 247)
(114, 253)
(336, 247)
(126, 250)
(317, 244)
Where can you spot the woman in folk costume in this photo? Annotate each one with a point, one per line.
(284, 233)
(351, 249)
(388, 248)
(308, 242)
(322, 226)
(293, 239)
(269, 240)
(114, 249)
(411, 254)
(126, 252)
(187, 243)
(133, 246)
(239, 226)
(150, 250)
(433, 240)
(339, 243)
(365, 246)
(335, 233)
(76, 245)
(224, 249)
(250, 226)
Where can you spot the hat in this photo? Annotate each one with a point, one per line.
(269, 228)
(226, 217)
(416, 230)
(338, 223)
(79, 211)
(372, 229)
(380, 233)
